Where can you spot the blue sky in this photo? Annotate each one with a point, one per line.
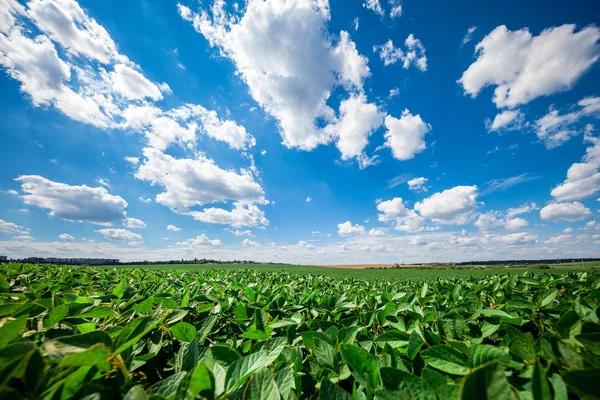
(300, 131)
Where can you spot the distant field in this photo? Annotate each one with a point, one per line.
(419, 273)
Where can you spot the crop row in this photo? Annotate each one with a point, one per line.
(96, 333)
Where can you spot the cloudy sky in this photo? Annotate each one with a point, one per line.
(310, 131)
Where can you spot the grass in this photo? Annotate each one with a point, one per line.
(416, 273)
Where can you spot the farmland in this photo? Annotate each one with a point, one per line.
(283, 332)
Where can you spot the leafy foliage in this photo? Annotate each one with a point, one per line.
(104, 333)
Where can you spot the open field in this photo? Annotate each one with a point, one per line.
(266, 333)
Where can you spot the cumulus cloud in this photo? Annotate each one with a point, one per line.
(66, 237)
(454, 206)
(524, 67)
(132, 84)
(515, 224)
(200, 241)
(173, 228)
(403, 218)
(406, 136)
(516, 239)
(395, 8)
(9, 227)
(522, 209)
(507, 120)
(418, 184)
(72, 203)
(583, 178)
(358, 120)
(568, 211)
(190, 182)
(308, 199)
(250, 243)
(238, 232)
(290, 62)
(120, 235)
(376, 232)
(347, 228)
(134, 223)
(414, 54)
(146, 200)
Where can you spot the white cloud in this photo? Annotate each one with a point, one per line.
(190, 182)
(355, 24)
(9, 227)
(146, 200)
(250, 243)
(173, 228)
(375, 6)
(468, 36)
(505, 183)
(395, 8)
(559, 239)
(394, 92)
(347, 228)
(524, 67)
(403, 218)
(240, 215)
(134, 223)
(489, 221)
(103, 181)
(238, 232)
(515, 224)
(120, 235)
(454, 206)
(521, 238)
(406, 136)
(418, 184)
(376, 232)
(66, 237)
(290, 61)
(358, 119)
(72, 203)
(200, 241)
(554, 128)
(572, 211)
(414, 54)
(24, 238)
(568, 230)
(522, 209)
(308, 199)
(583, 178)
(506, 120)
(133, 85)
(132, 160)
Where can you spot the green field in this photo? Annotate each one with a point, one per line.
(290, 332)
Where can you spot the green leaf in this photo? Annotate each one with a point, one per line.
(415, 342)
(11, 330)
(434, 378)
(558, 387)
(183, 331)
(167, 387)
(591, 341)
(56, 315)
(119, 289)
(331, 391)
(347, 335)
(446, 359)
(324, 353)
(540, 387)
(97, 354)
(241, 369)
(284, 378)
(584, 381)
(487, 382)
(262, 386)
(483, 353)
(136, 393)
(136, 330)
(97, 312)
(199, 381)
(564, 324)
(406, 385)
(363, 365)
(521, 344)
